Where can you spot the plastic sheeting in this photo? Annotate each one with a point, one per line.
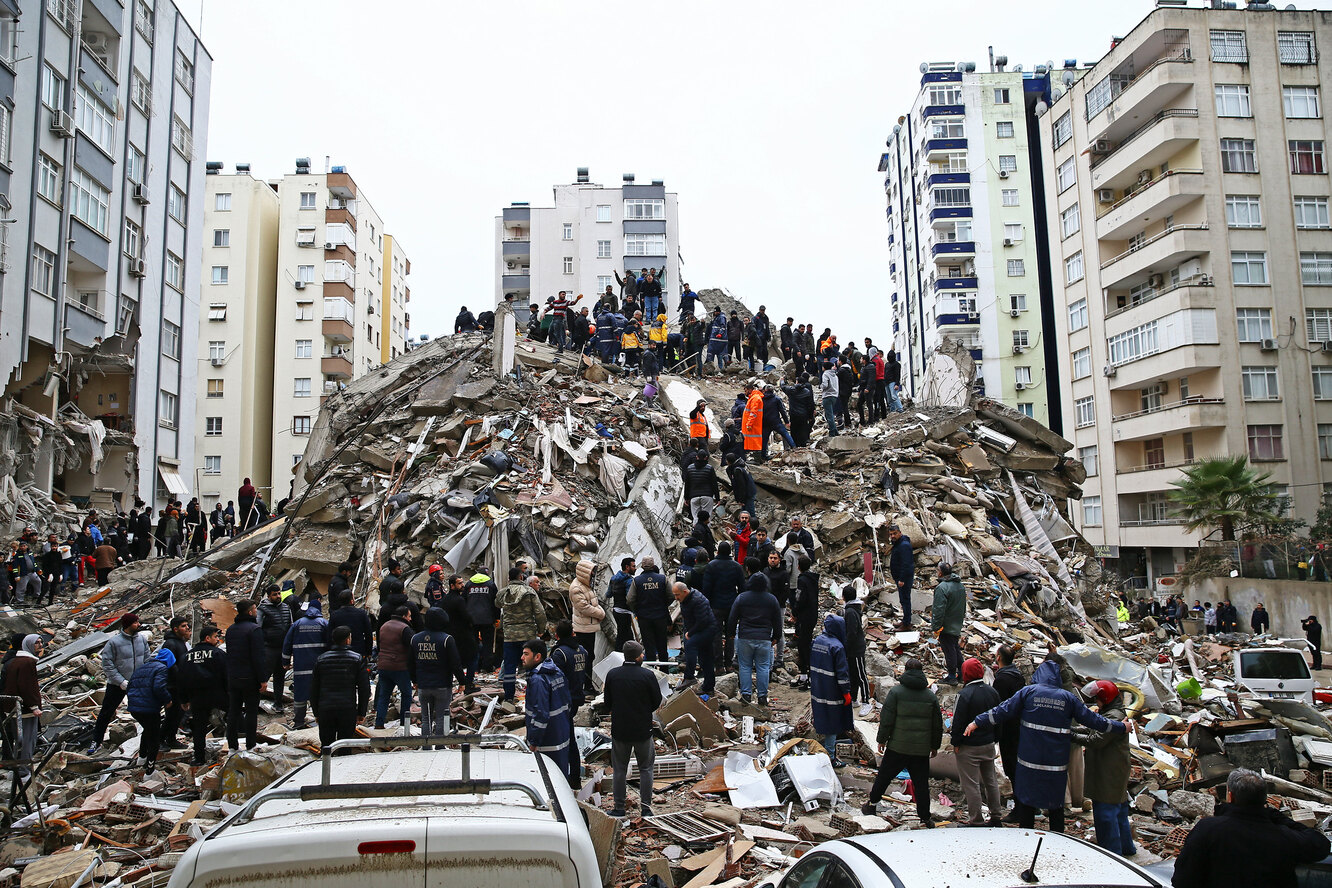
(751, 786)
(613, 473)
(1094, 661)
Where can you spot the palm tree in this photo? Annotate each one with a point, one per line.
(1221, 493)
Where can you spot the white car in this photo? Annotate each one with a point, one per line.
(957, 857)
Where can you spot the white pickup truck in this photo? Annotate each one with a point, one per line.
(463, 815)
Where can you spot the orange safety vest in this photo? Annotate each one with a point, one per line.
(751, 422)
(698, 426)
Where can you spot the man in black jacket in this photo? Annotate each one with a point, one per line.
(178, 642)
(274, 619)
(337, 692)
(801, 398)
(806, 614)
(1008, 680)
(723, 580)
(1313, 631)
(632, 695)
(573, 660)
(700, 483)
(788, 342)
(1247, 843)
(203, 686)
(433, 663)
(652, 603)
(247, 665)
(854, 615)
(779, 584)
(754, 621)
(461, 628)
(774, 419)
(743, 488)
(341, 580)
(975, 754)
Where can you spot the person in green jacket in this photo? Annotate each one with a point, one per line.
(1107, 771)
(522, 618)
(910, 733)
(946, 616)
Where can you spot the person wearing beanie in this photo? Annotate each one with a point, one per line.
(20, 680)
(148, 692)
(307, 638)
(632, 694)
(975, 754)
(433, 662)
(910, 733)
(124, 652)
(1106, 770)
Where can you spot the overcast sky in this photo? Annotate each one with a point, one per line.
(766, 118)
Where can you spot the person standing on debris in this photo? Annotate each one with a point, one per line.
(52, 567)
(1209, 618)
(1228, 620)
(105, 559)
(203, 687)
(854, 615)
(947, 613)
(700, 630)
(649, 290)
(434, 587)
(20, 680)
(1260, 621)
(123, 653)
(751, 422)
(460, 629)
(148, 692)
(522, 616)
(743, 488)
(29, 579)
(890, 397)
(177, 641)
(774, 419)
(340, 581)
(245, 498)
(800, 397)
(305, 641)
(433, 662)
(735, 337)
(828, 391)
(465, 322)
(698, 426)
(652, 600)
(846, 384)
(755, 620)
(779, 584)
(247, 671)
(695, 333)
(830, 686)
(975, 754)
(618, 593)
(722, 581)
(628, 284)
(902, 568)
(546, 705)
(586, 607)
(575, 662)
(344, 613)
(1008, 680)
(701, 533)
(805, 613)
(1107, 771)
(395, 637)
(337, 689)
(910, 734)
(632, 694)
(1313, 631)
(700, 482)
(742, 533)
(275, 619)
(480, 594)
(1045, 711)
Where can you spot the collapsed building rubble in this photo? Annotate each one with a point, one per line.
(473, 452)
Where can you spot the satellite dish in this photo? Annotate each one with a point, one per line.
(1017, 69)
(924, 67)
(897, 129)
(1041, 108)
(1069, 77)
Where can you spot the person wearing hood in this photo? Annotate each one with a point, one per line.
(587, 610)
(695, 334)
(731, 445)
(522, 617)
(755, 620)
(1008, 680)
(202, 681)
(830, 686)
(465, 322)
(704, 541)
(700, 629)
(1106, 774)
(743, 488)
(975, 754)
(805, 613)
(307, 638)
(801, 398)
(148, 693)
(1313, 631)
(395, 637)
(910, 734)
(20, 680)
(778, 575)
(723, 580)
(433, 661)
(124, 652)
(480, 594)
(546, 705)
(751, 422)
(946, 615)
(339, 688)
(853, 612)
(1046, 712)
(774, 418)
(735, 336)
(246, 676)
(700, 483)
(652, 608)
(717, 340)
(275, 618)
(177, 641)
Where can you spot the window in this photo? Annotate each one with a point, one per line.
(1255, 324)
(217, 311)
(1131, 345)
(141, 93)
(1008, 163)
(212, 426)
(1260, 383)
(1322, 383)
(184, 71)
(1073, 268)
(1022, 375)
(1001, 96)
(568, 265)
(645, 245)
(43, 270)
(171, 340)
(604, 281)
(1088, 457)
(309, 200)
(1248, 267)
(143, 19)
(305, 274)
(1027, 409)
(135, 165)
(603, 212)
(168, 408)
(1318, 324)
(1016, 268)
(644, 208)
(1084, 412)
(222, 202)
(304, 348)
(1265, 442)
(181, 139)
(1232, 101)
(1091, 511)
(1229, 46)
(1238, 156)
(951, 197)
(1013, 231)
(603, 249)
(1316, 268)
(1311, 212)
(89, 201)
(95, 120)
(305, 311)
(1003, 129)
(175, 271)
(1021, 338)
(1067, 175)
(301, 388)
(212, 465)
(1009, 197)
(176, 204)
(221, 273)
(1077, 315)
(1325, 443)
(1243, 211)
(300, 425)
(1300, 101)
(53, 88)
(1152, 397)
(1306, 157)
(1082, 365)
(49, 179)
(132, 239)
(1071, 220)
(221, 237)
(1296, 48)
(568, 231)
(217, 350)
(945, 94)
(1017, 301)
(1063, 129)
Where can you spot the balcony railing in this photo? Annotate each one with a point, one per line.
(1128, 196)
(1151, 521)
(1186, 402)
(1168, 113)
(1182, 54)
(1152, 467)
(1197, 280)
(1199, 226)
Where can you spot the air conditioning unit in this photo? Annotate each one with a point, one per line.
(1014, 312)
(1205, 280)
(1327, 345)
(1017, 349)
(138, 268)
(509, 265)
(1156, 280)
(1008, 242)
(1003, 174)
(216, 362)
(1144, 177)
(1268, 345)
(370, 309)
(300, 285)
(1101, 146)
(62, 124)
(140, 193)
(1109, 370)
(1105, 195)
(973, 316)
(1019, 386)
(329, 245)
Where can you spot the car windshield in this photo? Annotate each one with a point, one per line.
(1278, 665)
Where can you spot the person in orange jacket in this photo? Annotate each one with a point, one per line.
(751, 421)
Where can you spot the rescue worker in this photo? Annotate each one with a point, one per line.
(275, 618)
(575, 662)
(522, 616)
(147, 694)
(652, 601)
(947, 614)
(480, 594)
(830, 686)
(700, 630)
(910, 734)
(203, 686)
(433, 663)
(902, 568)
(337, 690)
(306, 639)
(1107, 768)
(546, 705)
(751, 422)
(698, 425)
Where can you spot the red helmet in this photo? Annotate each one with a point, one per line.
(1102, 690)
(434, 569)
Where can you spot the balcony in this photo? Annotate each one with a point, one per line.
(1149, 478)
(1151, 200)
(955, 283)
(1152, 89)
(936, 149)
(339, 290)
(516, 215)
(1158, 253)
(940, 77)
(1170, 418)
(84, 324)
(1166, 533)
(961, 319)
(334, 215)
(338, 366)
(944, 215)
(943, 111)
(341, 251)
(516, 283)
(340, 185)
(951, 251)
(1166, 363)
(338, 330)
(933, 179)
(1186, 294)
(1152, 144)
(517, 251)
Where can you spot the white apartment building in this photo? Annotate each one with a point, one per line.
(1188, 195)
(591, 233)
(968, 255)
(103, 118)
(329, 306)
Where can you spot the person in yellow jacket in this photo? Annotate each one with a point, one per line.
(657, 334)
(751, 421)
(631, 341)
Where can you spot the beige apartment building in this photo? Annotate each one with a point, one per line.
(308, 293)
(1187, 193)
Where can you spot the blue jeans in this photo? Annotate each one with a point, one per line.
(388, 680)
(513, 655)
(830, 414)
(557, 332)
(755, 656)
(894, 402)
(1113, 832)
(718, 352)
(651, 308)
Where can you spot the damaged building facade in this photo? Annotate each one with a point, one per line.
(102, 236)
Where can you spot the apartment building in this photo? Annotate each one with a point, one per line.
(102, 217)
(1188, 195)
(326, 304)
(968, 254)
(591, 233)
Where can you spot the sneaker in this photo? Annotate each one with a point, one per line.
(838, 763)
(763, 701)
(644, 811)
(795, 682)
(92, 748)
(869, 808)
(745, 699)
(617, 813)
(865, 709)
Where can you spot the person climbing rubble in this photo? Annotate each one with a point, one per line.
(947, 614)
(830, 686)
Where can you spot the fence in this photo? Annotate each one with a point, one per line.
(1277, 558)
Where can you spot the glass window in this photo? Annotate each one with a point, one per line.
(95, 120)
(168, 408)
(184, 71)
(176, 204)
(603, 212)
(1322, 383)
(1306, 157)
(135, 165)
(53, 88)
(1238, 156)
(143, 19)
(1063, 128)
(1248, 267)
(221, 237)
(49, 178)
(1316, 268)
(1091, 511)
(175, 271)
(171, 339)
(1260, 383)
(304, 348)
(1229, 46)
(1311, 212)
(644, 208)
(1088, 457)
(1325, 441)
(1001, 96)
(604, 281)
(1003, 129)
(212, 426)
(1265, 442)
(221, 273)
(1243, 211)
(309, 200)
(301, 387)
(300, 425)
(947, 129)
(1022, 375)
(1021, 338)
(133, 238)
(1318, 324)
(181, 139)
(645, 245)
(1008, 163)
(1016, 268)
(568, 231)
(1026, 408)
(212, 465)
(305, 311)
(1082, 365)
(217, 349)
(1255, 324)
(1073, 268)
(305, 274)
(1232, 100)
(1017, 301)
(1071, 220)
(141, 93)
(951, 197)
(1013, 231)
(43, 270)
(1296, 47)
(568, 265)
(603, 249)
(1009, 197)
(1066, 176)
(89, 201)
(1077, 315)
(1131, 345)
(1300, 101)
(222, 202)
(217, 311)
